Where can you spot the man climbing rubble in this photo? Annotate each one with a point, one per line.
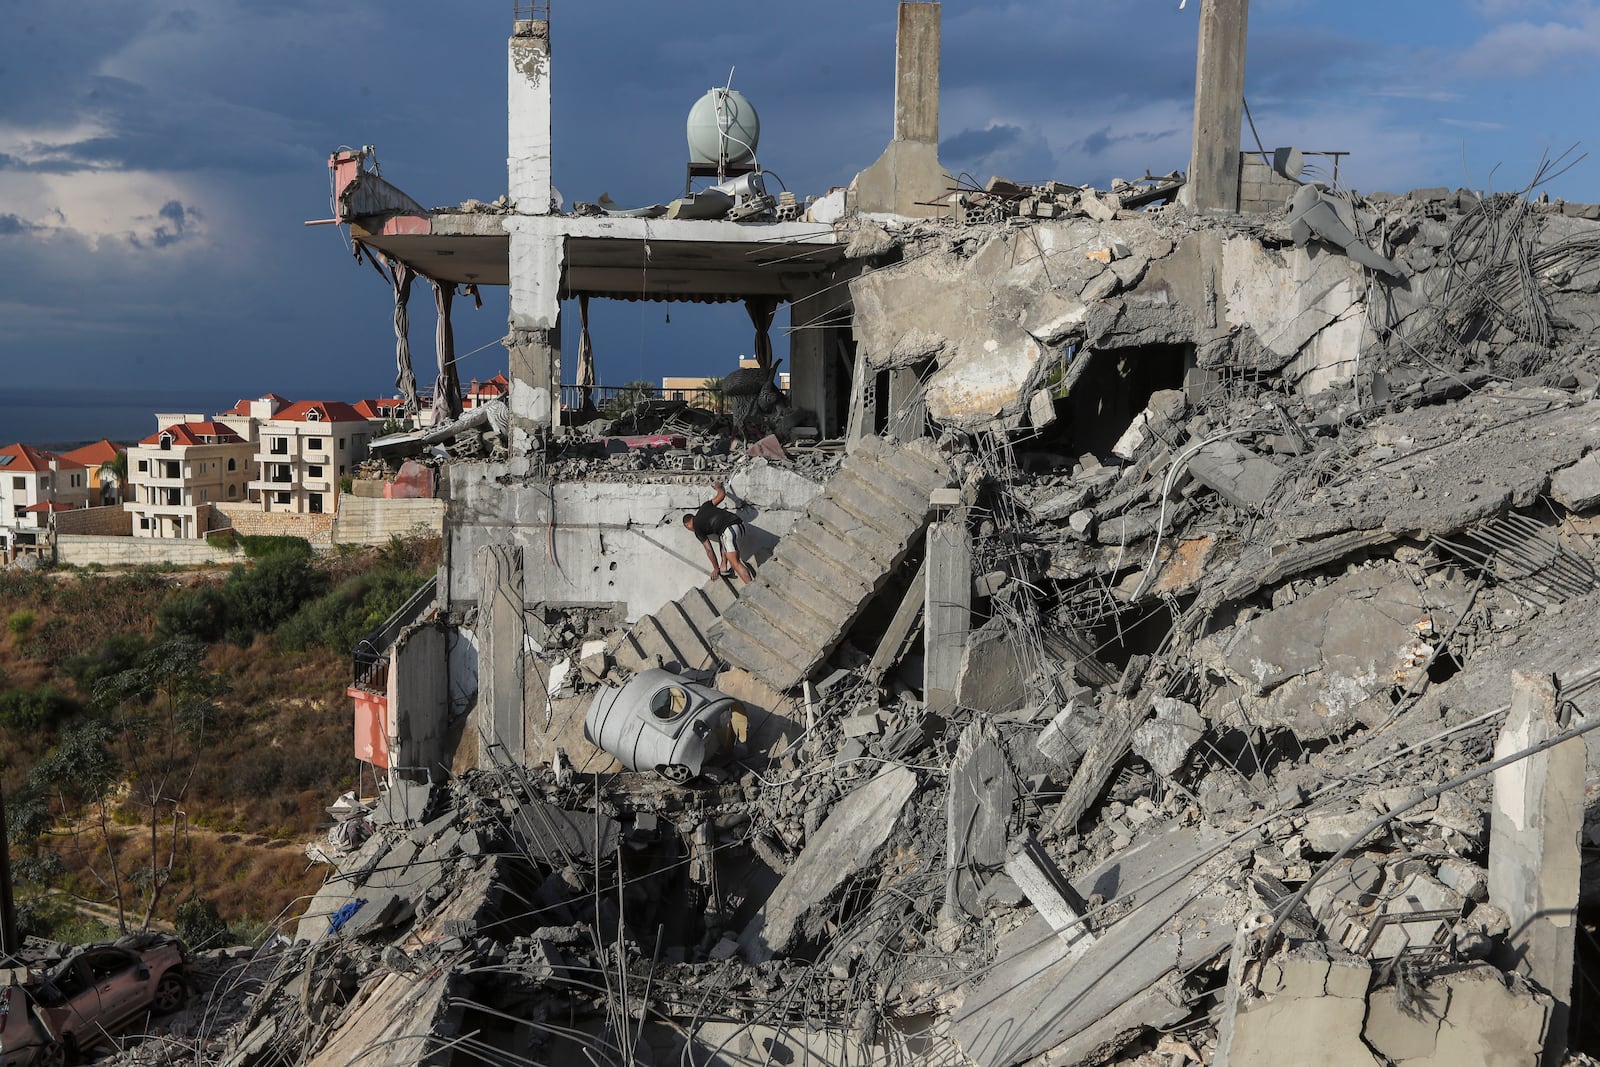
(719, 531)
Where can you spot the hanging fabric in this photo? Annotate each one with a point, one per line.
(762, 309)
(447, 390)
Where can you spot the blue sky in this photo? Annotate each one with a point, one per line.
(157, 157)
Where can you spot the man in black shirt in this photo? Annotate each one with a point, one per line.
(716, 528)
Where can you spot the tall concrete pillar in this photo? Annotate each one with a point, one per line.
(501, 635)
(528, 118)
(537, 253)
(1535, 828)
(1213, 185)
(947, 616)
(908, 176)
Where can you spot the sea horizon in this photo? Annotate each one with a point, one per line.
(62, 418)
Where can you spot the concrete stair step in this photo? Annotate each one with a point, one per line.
(916, 470)
(788, 613)
(868, 509)
(720, 592)
(695, 652)
(655, 643)
(754, 640)
(842, 553)
(628, 654)
(819, 588)
(761, 660)
(879, 496)
(806, 557)
(847, 528)
(698, 607)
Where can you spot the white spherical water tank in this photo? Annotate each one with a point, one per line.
(723, 125)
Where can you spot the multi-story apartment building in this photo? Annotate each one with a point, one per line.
(34, 484)
(303, 450)
(177, 474)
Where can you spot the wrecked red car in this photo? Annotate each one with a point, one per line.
(77, 998)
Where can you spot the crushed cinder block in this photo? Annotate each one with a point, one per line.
(868, 725)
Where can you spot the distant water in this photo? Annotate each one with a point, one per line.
(67, 417)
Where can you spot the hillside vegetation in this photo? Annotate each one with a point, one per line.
(169, 740)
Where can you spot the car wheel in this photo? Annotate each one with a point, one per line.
(170, 994)
(52, 1055)
(674, 772)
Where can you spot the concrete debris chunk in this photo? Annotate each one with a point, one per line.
(854, 831)
(1236, 474)
(1165, 739)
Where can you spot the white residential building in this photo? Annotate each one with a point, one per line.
(177, 474)
(303, 450)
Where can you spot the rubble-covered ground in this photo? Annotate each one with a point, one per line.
(1252, 542)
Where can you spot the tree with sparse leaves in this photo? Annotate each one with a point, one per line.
(140, 755)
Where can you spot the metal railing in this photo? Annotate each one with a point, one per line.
(371, 655)
(621, 399)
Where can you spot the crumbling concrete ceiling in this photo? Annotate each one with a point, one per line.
(657, 259)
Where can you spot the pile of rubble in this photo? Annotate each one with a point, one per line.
(1193, 667)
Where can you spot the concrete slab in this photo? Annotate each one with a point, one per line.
(854, 831)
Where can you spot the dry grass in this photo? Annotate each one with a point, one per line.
(248, 878)
(278, 750)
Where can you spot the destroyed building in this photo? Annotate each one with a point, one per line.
(1170, 639)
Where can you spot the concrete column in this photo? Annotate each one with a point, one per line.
(916, 73)
(908, 175)
(1535, 826)
(537, 259)
(948, 614)
(419, 706)
(1213, 184)
(528, 118)
(809, 357)
(501, 635)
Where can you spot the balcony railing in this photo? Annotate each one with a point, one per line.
(371, 654)
(617, 400)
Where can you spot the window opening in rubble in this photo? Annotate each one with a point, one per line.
(1115, 387)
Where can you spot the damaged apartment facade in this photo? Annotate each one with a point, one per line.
(1170, 641)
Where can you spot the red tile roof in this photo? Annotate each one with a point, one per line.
(243, 406)
(27, 458)
(327, 410)
(380, 408)
(49, 505)
(194, 433)
(101, 451)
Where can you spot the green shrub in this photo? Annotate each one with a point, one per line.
(112, 656)
(340, 618)
(200, 925)
(32, 710)
(223, 540)
(261, 598)
(261, 546)
(20, 623)
(199, 613)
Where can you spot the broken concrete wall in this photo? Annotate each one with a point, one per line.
(609, 543)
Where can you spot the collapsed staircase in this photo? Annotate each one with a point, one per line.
(678, 636)
(829, 565)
